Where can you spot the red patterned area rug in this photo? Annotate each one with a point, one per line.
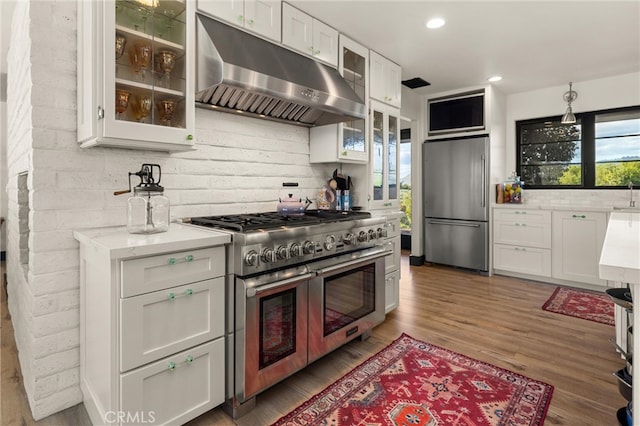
(591, 306)
(415, 383)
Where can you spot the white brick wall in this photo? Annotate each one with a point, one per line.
(239, 166)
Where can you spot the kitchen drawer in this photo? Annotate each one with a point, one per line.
(522, 216)
(392, 261)
(524, 260)
(520, 233)
(147, 274)
(157, 324)
(176, 395)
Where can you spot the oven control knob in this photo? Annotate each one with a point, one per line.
(382, 233)
(251, 258)
(349, 238)
(329, 242)
(362, 236)
(295, 250)
(268, 255)
(308, 247)
(282, 252)
(372, 234)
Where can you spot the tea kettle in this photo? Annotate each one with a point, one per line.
(291, 206)
(148, 208)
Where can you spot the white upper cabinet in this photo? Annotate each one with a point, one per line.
(386, 80)
(385, 156)
(263, 17)
(345, 142)
(309, 36)
(140, 94)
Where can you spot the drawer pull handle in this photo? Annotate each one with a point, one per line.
(171, 296)
(581, 216)
(189, 359)
(520, 249)
(188, 258)
(521, 224)
(188, 292)
(172, 365)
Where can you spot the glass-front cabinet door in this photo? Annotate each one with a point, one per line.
(140, 74)
(385, 135)
(353, 65)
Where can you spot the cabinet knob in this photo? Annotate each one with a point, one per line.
(188, 292)
(188, 258)
(172, 365)
(189, 137)
(171, 296)
(100, 113)
(172, 261)
(250, 22)
(240, 19)
(188, 359)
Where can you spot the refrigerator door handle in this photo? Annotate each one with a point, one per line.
(483, 201)
(443, 222)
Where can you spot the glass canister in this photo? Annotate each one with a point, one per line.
(147, 211)
(148, 208)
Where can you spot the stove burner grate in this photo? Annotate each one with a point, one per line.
(273, 220)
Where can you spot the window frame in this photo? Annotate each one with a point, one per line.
(587, 121)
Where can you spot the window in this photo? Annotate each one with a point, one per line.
(601, 150)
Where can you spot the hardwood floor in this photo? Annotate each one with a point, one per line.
(496, 319)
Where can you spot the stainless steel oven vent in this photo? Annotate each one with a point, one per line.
(232, 99)
(239, 72)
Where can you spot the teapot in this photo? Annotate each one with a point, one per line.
(293, 207)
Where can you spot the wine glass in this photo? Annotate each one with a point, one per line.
(122, 102)
(166, 108)
(140, 56)
(141, 107)
(121, 42)
(166, 61)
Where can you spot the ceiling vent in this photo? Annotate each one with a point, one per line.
(415, 83)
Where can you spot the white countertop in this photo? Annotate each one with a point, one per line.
(620, 258)
(118, 243)
(563, 207)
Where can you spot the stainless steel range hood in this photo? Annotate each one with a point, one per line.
(238, 72)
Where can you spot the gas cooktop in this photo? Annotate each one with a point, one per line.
(272, 220)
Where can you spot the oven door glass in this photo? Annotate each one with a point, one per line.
(348, 296)
(277, 327)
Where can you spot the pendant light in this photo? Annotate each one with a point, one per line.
(570, 96)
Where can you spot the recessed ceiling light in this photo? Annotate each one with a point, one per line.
(495, 78)
(435, 23)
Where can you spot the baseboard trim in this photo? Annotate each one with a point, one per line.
(416, 260)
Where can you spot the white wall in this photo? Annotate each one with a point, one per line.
(239, 166)
(612, 92)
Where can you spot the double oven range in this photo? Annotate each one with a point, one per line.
(297, 288)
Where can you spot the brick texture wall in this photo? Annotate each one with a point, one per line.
(239, 166)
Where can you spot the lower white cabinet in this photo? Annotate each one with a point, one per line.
(523, 260)
(578, 237)
(152, 315)
(391, 291)
(561, 246)
(392, 263)
(157, 324)
(177, 388)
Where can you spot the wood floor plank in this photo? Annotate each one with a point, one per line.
(498, 320)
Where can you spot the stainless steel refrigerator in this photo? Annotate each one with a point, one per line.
(456, 202)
